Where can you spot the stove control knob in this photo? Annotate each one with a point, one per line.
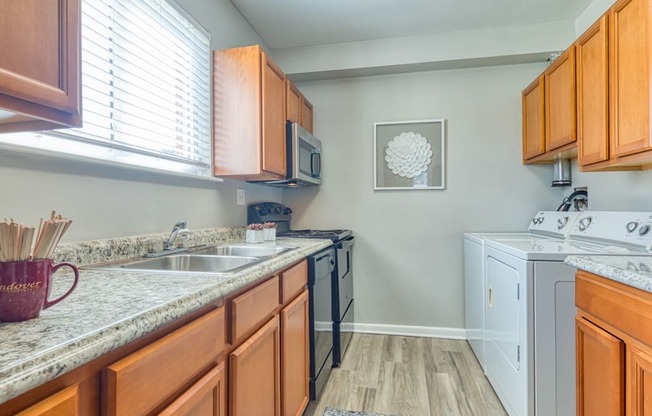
(287, 211)
(644, 229)
(631, 226)
(585, 223)
(278, 210)
(264, 211)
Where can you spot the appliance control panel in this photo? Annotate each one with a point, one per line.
(553, 223)
(632, 229)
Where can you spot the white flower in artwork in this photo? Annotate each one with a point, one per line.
(408, 155)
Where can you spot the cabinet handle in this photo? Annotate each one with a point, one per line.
(491, 298)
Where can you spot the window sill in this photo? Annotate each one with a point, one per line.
(14, 147)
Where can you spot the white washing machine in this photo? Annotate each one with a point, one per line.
(551, 224)
(529, 308)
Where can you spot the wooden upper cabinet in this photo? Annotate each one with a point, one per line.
(274, 156)
(298, 109)
(248, 115)
(533, 120)
(293, 104)
(560, 101)
(40, 79)
(306, 114)
(629, 22)
(592, 60)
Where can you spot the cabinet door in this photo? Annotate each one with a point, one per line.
(39, 59)
(629, 74)
(593, 94)
(147, 379)
(639, 382)
(204, 398)
(600, 371)
(560, 107)
(273, 96)
(63, 403)
(306, 115)
(254, 379)
(292, 102)
(295, 363)
(533, 120)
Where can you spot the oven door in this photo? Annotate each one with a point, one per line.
(344, 285)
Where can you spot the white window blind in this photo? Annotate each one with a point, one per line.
(145, 87)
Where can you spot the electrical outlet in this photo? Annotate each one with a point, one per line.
(240, 197)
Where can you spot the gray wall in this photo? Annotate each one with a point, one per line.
(111, 201)
(408, 253)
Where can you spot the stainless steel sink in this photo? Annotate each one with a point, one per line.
(242, 250)
(185, 263)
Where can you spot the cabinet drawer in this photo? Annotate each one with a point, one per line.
(65, 402)
(251, 309)
(621, 306)
(144, 380)
(293, 281)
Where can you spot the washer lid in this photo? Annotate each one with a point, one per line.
(554, 249)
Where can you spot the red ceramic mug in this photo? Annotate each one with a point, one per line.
(25, 288)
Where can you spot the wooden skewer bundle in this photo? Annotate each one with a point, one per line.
(16, 239)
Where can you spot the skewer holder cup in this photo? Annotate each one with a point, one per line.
(25, 288)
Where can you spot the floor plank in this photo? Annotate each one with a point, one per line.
(409, 376)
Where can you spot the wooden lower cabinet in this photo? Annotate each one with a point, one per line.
(254, 374)
(63, 403)
(614, 347)
(207, 397)
(190, 368)
(600, 371)
(295, 361)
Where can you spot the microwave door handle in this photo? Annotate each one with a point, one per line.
(315, 161)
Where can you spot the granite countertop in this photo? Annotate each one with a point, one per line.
(634, 271)
(109, 309)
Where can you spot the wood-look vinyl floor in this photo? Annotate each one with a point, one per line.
(409, 376)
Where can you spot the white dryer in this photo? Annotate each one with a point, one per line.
(529, 308)
(544, 224)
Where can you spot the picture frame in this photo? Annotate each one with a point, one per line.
(410, 155)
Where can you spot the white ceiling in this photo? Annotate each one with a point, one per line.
(294, 23)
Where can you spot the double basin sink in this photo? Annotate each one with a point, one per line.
(228, 258)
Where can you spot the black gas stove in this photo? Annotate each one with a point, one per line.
(330, 290)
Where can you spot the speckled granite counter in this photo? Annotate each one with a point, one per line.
(112, 308)
(635, 271)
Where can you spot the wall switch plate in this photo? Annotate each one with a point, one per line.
(240, 197)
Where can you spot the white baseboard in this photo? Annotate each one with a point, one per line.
(408, 330)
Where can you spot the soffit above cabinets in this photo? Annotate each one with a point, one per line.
(296, 23)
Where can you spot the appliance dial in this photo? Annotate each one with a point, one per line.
(585, 223)
(278, 210)
(644, 229)
(265, 211)
(561, 223)
(287, 211)
(631, 226)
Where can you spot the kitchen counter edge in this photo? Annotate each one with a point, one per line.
(40, 350)
(634, 271)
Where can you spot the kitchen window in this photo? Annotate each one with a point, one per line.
(145, 88)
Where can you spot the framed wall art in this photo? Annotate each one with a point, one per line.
(409, 155)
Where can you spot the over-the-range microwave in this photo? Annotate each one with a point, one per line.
(303, 158)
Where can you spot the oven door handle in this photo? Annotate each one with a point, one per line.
(346, 243)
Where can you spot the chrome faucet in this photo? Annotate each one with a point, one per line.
(179, 229)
